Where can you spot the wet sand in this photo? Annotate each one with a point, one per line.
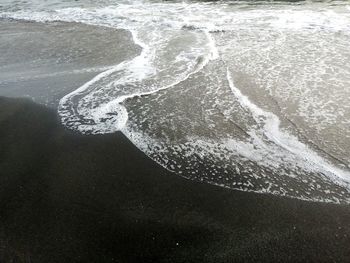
(71, 198)
(45, 61)
(65, 197)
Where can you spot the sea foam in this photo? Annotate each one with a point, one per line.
(189, 99)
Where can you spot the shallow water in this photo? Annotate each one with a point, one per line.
(248, 96)
(45, 61)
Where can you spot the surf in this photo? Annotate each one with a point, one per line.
(230, 138)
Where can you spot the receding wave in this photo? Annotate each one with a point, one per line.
(254, 99)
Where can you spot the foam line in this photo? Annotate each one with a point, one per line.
(287, 141)
(270, 45)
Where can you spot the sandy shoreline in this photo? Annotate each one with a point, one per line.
(46, 61)
(65, 197)
(72, 198)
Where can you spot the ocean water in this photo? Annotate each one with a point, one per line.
(246, 95)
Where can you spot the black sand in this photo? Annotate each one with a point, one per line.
(71, 198)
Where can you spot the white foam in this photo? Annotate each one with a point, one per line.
(271, 124)
(181, 42)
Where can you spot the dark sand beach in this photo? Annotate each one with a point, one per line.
(68, 197)
(72, 198)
